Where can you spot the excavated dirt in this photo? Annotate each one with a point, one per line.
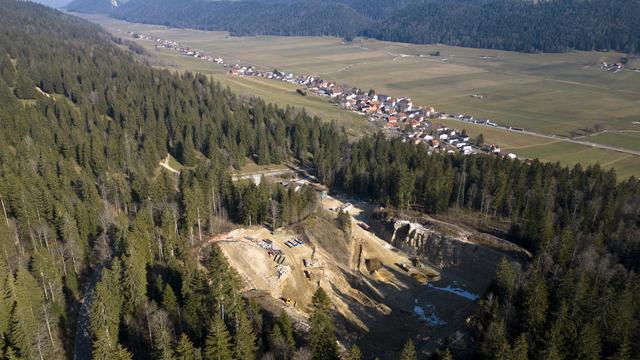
(425, 286)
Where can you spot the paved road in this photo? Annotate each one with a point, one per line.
(558, 138)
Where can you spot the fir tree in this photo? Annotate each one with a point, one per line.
(408, 351)
(322, 335)
(24, 88)
(354, 353)
(185, 349)
(218, 342)
(244, 340)
(520, 349)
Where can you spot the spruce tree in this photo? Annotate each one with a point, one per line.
(322, 334)
(408, 351)
(25, 89)
(520, 349)
(244, 340)
(277, 343)
(170, 302)
(505, 278)
(284, 322)
(185, 349)
(218, 343)
(354, 353)
(7, 70)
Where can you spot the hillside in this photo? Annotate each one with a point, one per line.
(102, 246)
(549, 26)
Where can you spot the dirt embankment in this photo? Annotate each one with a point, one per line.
(389, 280)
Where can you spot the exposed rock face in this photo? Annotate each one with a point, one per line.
(452, 252)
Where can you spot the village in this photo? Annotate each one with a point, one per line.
(398, 117)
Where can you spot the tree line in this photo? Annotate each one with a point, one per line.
(574, 300)
(526, 26)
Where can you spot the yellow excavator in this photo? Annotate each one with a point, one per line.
(289, 302)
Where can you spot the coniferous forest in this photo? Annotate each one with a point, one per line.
(101, 248)
(514, 25)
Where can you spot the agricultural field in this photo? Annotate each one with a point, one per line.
(565, 153)
(554, 94)
(627, 140)
(547, 93)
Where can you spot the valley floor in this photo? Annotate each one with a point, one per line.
(554, 94)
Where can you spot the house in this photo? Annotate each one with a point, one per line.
(443, 136)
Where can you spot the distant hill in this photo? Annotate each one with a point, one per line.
(550, 26)
(95, 6)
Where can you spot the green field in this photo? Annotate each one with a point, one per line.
(627, 140)
(545, 93)
(565, 153)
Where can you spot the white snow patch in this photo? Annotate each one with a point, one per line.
(457, 291)
(427, 314)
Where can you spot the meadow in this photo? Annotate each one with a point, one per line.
(627, 140)
(565, 153)
(547, 93)
(560, 94)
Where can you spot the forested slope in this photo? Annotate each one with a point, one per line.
(83, 126)
(529, 26)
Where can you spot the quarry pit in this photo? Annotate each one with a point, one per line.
(389, 280)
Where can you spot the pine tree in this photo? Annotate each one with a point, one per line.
(624, 352)
(284, 322)
(185, 349)
(6, 297)
(24, 88)
(217, 344)
(277, 343)
(535, 305)
(322, 335)
(7, 70)
(446, 355)
(505, 278)
(170, 302)
(408, 351)
(344, 222)
(164, 346)
(244, 340)
(520, 349)
(25, 324)
(354, 353)
(589, 346)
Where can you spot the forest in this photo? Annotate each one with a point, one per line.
(525, 26)
(101, 254)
